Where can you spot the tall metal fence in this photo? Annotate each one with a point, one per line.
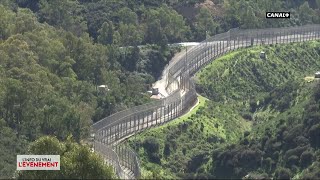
(115, 128)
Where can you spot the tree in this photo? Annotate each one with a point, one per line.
(306, 14)
(6, 27)
(25, 21)
(127, 16)
(314, 134)
(65, 14)
(306, 158)
(106, 33)
(164, 20)
(318, 3)
(77, 161)
(205, 24)
(153, 32)
(248, 18)
(130, 35)
(283, 173)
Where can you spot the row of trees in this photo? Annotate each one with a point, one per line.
(251, 14)
(131, 23)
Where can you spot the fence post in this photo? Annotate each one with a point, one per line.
(146, 116)
(171, 111)
(145, 119)
(242, 41)
(238, 41)
(289, 36)
(116, 131)
(163, 113)
(152, 117)
(223, 52)
(138, 120)
(121, 128)
(127, 121)
(103, 138)
(156, 118)
(134, 123)
(130, 124)
(160, 115)
(270, 36)
(176, 108)
(284, 36)
(110, 135)
(166, 114)
(219, 48)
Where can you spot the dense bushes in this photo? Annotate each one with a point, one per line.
(151, 146)
(49, 77)
(285, 155)
(126, 22)
(250, 128)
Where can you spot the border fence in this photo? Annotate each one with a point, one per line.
(111, 130)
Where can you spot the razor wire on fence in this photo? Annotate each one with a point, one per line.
(182, 95)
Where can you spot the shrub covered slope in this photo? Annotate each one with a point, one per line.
(261, 120)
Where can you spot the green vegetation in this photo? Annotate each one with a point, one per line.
(49, 80)
(54, 54)
(127, 22)
(261, 120)
(77, 161)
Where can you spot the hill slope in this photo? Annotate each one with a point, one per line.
(262, 119)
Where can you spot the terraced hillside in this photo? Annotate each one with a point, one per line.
(261, 119)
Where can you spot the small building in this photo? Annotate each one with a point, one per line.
(103, 88)
(155, 91)
(263, 55)
(317, 74)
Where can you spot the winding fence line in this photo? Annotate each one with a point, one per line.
(111, 130)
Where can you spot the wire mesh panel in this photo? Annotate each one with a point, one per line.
(111, 158)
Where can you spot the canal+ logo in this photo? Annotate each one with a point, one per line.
(277, 14)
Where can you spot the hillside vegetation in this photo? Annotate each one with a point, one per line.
(261, 119)
(49, 80)
(54, 54)
(127, 22)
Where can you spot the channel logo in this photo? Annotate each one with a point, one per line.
(38, 162)
(277, 14)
